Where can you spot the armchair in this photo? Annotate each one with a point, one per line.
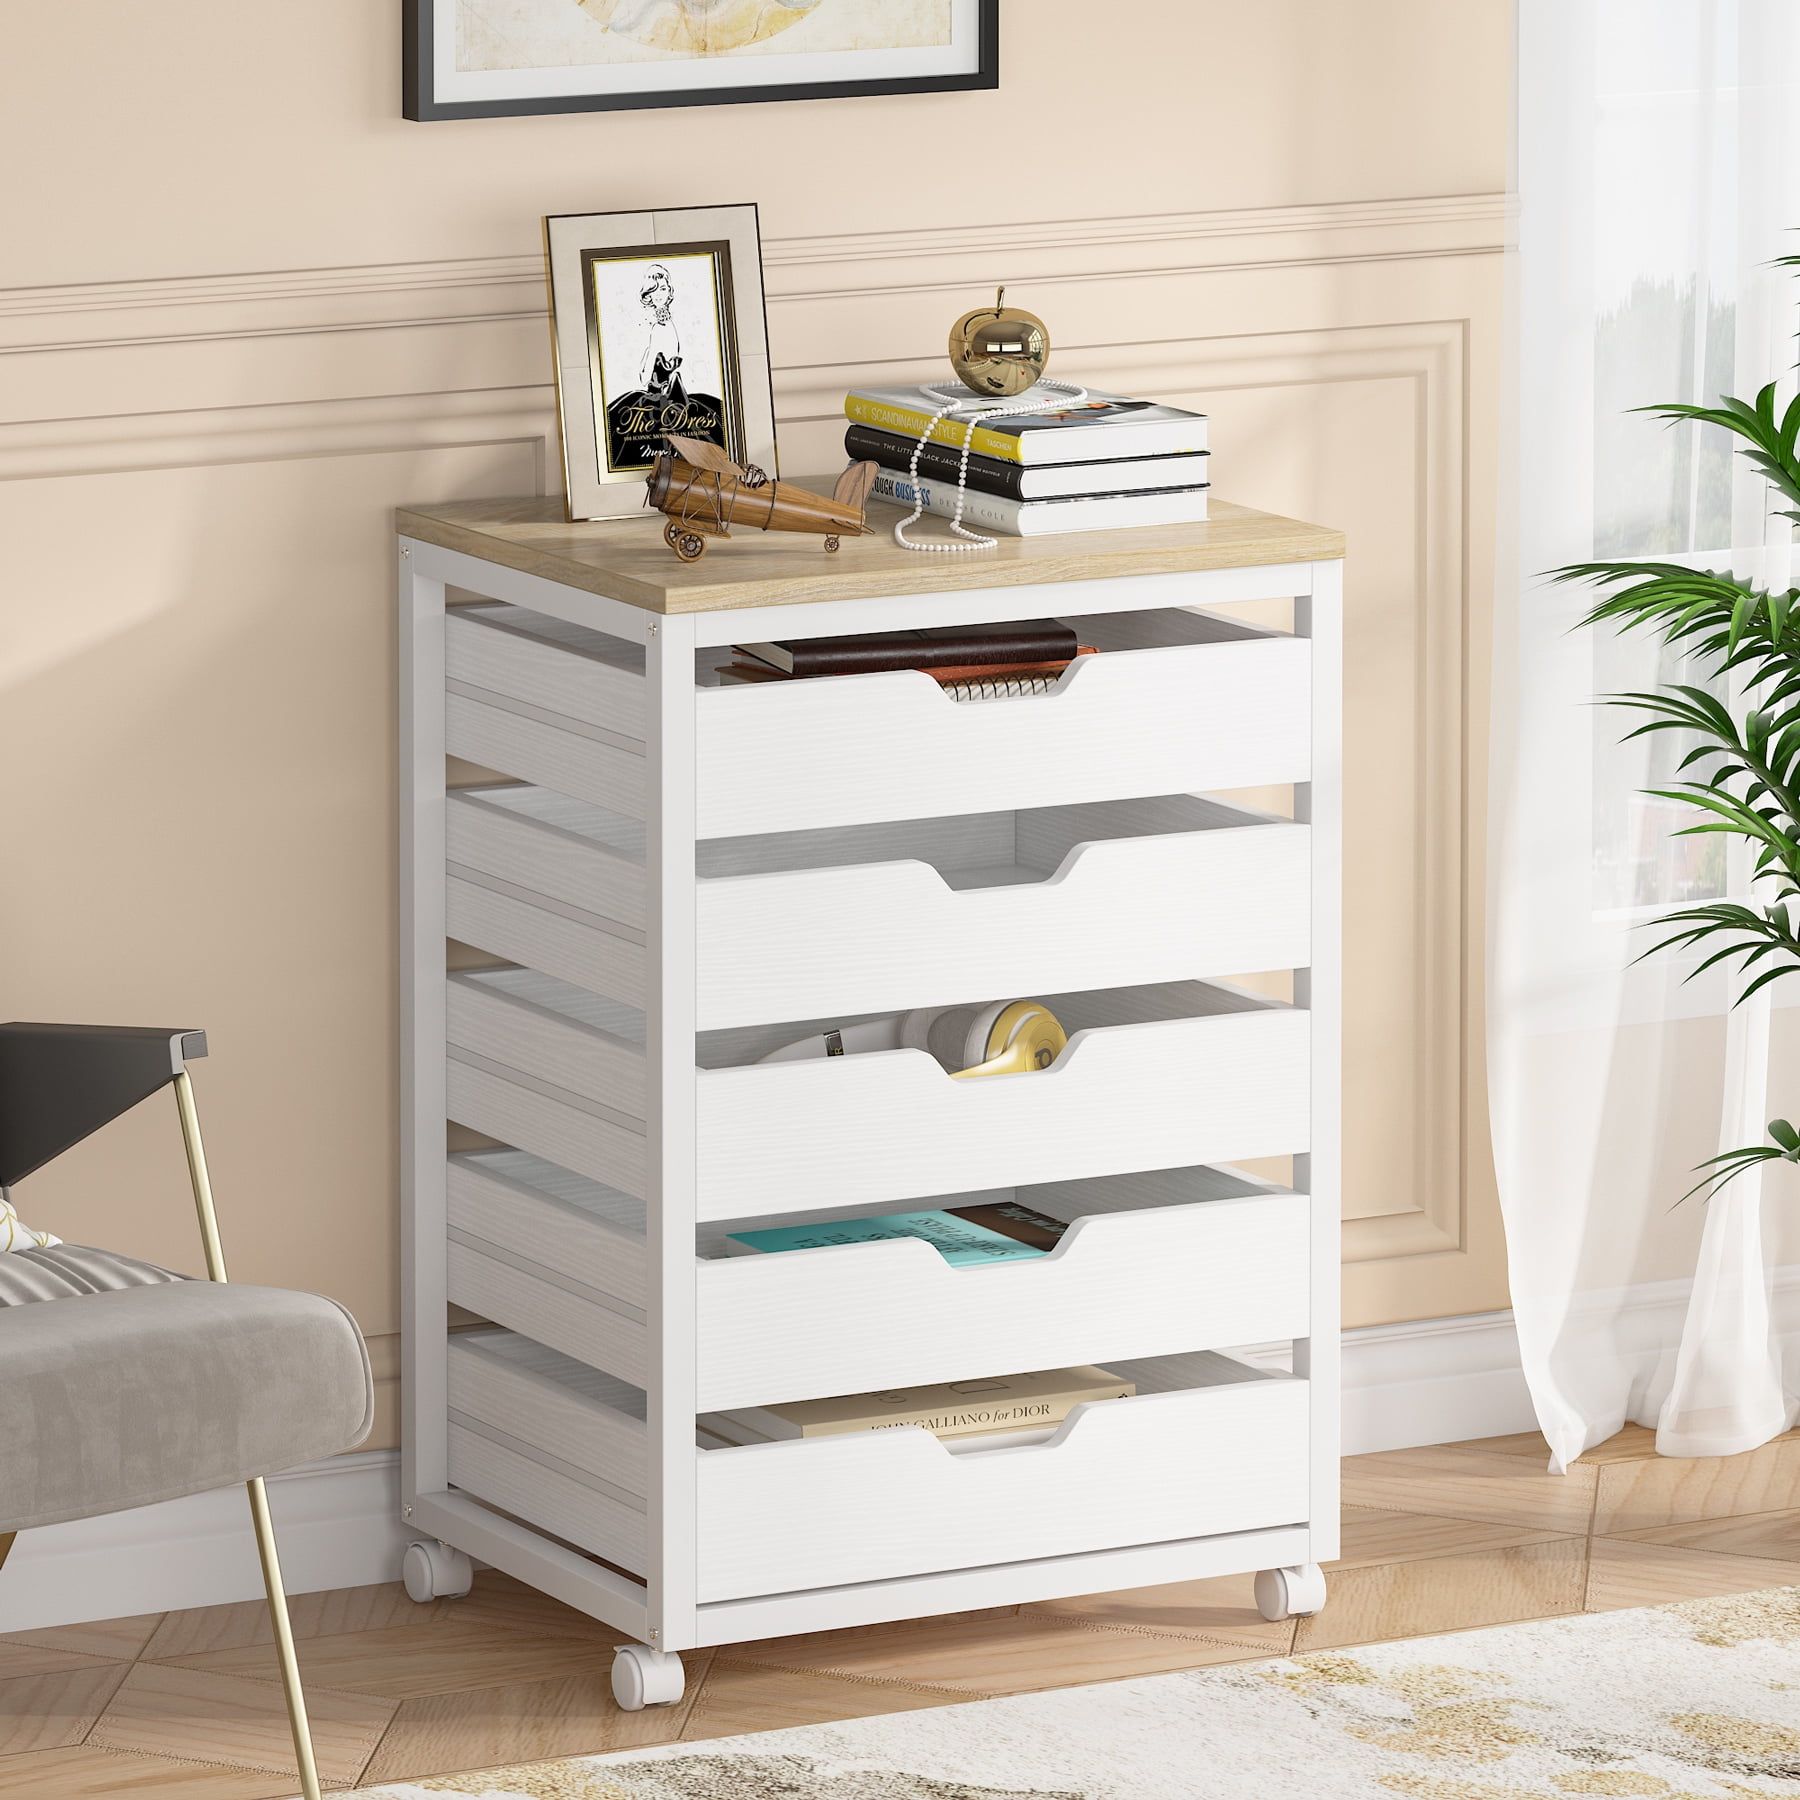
(127, 1384)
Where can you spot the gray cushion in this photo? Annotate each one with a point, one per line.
(60, 1271)
(130, 1385)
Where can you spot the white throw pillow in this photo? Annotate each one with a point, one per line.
(15, 1234)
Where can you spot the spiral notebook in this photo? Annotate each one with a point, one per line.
(970, 681)
(1012, 686)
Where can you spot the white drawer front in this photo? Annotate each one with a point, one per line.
(778, 1518)
(1162, 1093)
(855, 1318)
(887, 936)
(1189, 719)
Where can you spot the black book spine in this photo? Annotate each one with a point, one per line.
(1033, 641)
(987, 474)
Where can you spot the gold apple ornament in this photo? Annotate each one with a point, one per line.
(999, 349)
(999, 353)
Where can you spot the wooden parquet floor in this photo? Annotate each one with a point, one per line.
(185, 1705)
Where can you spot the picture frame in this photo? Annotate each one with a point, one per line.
(564, 56)
(657, 325)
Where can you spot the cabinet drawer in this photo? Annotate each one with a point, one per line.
(554, 752)
(1188, 1274)
(527, 928)
(551, 1031)
(555, 1308)
(1153, 1078)
(557, 1409)
(549, 845)
(1115, 894)
(1224, 1450)
(563, 1128)
(1176, 703)
(501, 1473)
(547, 664)
(551, 1222)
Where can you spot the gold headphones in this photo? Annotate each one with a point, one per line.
(1005, 1037)
(1023, 1037)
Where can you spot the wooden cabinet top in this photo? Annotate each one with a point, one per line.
(626, 559)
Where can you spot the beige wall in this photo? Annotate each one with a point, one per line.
(248, 308)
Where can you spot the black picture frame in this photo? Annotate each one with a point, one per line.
(419, 102)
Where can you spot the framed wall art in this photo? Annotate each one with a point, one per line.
(466, 59)
(657, 326)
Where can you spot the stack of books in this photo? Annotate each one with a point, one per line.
(1097, 466)
(970, 662)
(1022, 1409)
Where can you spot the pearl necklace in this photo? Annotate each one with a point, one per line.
(960, 405)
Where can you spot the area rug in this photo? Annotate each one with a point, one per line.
(1683, 1702)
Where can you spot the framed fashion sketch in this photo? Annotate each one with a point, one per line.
(657, 325)
(471, 59)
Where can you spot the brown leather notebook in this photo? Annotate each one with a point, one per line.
(750, 669)
(876, 652)
(1015, 1221)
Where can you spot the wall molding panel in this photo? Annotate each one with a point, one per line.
(355, 425)
(1341, 348)
(472, 290)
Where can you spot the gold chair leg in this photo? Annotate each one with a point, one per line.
(284, 1640)
(259, 1499)
(202, 1183)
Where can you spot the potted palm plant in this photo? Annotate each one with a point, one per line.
(1741, 778)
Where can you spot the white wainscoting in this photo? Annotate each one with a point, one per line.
(195, 482)
(195, 476)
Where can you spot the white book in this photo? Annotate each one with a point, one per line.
(1097, 429)
(1132, 475)
(1038, 518)
(718, 1431)
(980, 1407)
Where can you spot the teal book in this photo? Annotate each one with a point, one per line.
(961, 1242)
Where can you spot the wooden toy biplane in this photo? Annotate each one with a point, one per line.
(704, 493)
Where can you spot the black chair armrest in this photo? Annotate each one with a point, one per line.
(61, 1083)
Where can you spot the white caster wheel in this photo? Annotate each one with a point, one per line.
(1290, 1593)
(433, 1571)
(644, 1677)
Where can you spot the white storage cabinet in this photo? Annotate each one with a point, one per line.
(661, 879)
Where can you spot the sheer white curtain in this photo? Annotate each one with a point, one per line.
(1659, 174)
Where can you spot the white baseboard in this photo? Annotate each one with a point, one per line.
(1427, 1381)
(1430, 1381)
(339, 1522)
(1433, 1381)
